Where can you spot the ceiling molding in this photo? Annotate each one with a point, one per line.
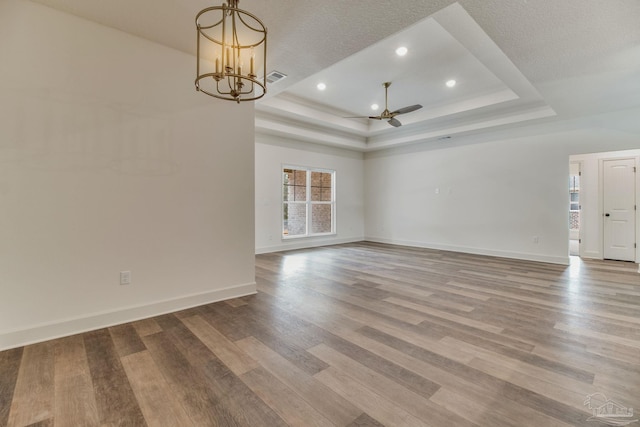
(495, 94)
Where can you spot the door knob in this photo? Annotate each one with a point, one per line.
(607, 214)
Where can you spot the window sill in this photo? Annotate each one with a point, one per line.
(308, 236)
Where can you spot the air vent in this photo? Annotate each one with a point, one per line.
(275, 76)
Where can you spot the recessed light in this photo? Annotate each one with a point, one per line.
(321, 86)
(401, 51)
(374, 107)
(450, 83)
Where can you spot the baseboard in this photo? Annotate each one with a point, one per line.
(591, 255)
(45, 332)
(304, 243)
(477, 251)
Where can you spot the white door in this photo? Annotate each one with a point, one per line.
(619, 209)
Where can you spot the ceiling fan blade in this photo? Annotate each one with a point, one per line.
(356, 117)
(388, 115)
(394, 122)
(408, 109)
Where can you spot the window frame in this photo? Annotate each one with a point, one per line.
(308, 202)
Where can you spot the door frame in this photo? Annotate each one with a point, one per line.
(636, 162)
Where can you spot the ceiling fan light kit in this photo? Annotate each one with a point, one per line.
(390, 115)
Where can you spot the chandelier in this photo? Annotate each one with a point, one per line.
(232, 45)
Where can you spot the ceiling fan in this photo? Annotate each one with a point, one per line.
(390, 115)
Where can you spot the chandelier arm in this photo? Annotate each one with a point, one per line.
(198, 57)
(248, 90)
(258, 30)
(208, 27)
(220, 91)
(206, 36)
(229, 83)
(218, 88)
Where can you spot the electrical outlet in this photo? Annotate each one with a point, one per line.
(536, 239)
(125, 277)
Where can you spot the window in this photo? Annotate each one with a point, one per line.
(574, 191)
(308, 202)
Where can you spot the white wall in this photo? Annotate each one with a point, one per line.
(110, 161)
(493, 199)
(271, 154)
(591, 224)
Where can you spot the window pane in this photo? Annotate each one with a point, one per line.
(574, 220)
(320, 218)
(574, 183)
(301, 177)
(316, 179)
(295, 219)
(287, 193)
(316, 194)
(295, 185)
(300, 193)
(287, 182)
(321, 186)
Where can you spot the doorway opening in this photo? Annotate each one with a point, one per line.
(574, 208)
(604, 222)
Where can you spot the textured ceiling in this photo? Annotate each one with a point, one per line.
(544, 38)
(581, 58)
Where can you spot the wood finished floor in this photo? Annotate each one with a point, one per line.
(354, 335)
